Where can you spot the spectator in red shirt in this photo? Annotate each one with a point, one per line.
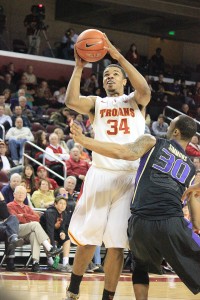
(77, 167)
(30, 229)
(43, 174)
(193, 148)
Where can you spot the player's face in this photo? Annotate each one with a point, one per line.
(113, 80)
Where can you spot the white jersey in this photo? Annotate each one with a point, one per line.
(117, 120)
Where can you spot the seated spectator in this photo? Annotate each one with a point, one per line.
(8, 189)
(6, 83)
(159, 127)
(185, 109)
(193, 148)
(5, 120)
(83, 152)
(61, 140)
(55, 150)
(30, 229)
(10, 69)
(59, 96)
(22, 92)
(55, 222)
(91, 84)
(6, 164)
(43, 174)
(61, 118)
(41, 141)
(159, 83)
(43, 197)
(133, 56)
(5, 105)
(30, 76)
(16, 137)
(9, 228)
(79, 121)
(196, 162)
(7, 94)
(69, 185)
(197, 97)
(29, 177)
(70, 143)
(157, 62)
(18, 113)
(77, 167)
(26, 108)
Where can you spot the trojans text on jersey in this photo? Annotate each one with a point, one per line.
(126, 111)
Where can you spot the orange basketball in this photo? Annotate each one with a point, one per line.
(90, 45)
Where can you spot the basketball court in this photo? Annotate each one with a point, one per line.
(50, 285)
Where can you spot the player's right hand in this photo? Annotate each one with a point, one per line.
(79, 61)
(76, 133)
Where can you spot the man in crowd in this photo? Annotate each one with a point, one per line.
(8, 190)
(16, 137)
(77, 167)
(159, 127)
(9, 227)
(30, 229)
(6, 164)
(43, 174)
(18, 113)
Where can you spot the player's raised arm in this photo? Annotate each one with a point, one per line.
(138, 82)
(131, 151)
(73, 100)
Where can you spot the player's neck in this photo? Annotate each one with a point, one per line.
(114, 94)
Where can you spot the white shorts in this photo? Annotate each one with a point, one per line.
(103, 210)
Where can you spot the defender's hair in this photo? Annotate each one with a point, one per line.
(187, 127)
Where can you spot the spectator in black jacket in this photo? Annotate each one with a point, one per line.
(9, 227)
(18, 113)
(55, 221)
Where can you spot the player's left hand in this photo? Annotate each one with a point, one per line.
(112, 49)
(76, 132)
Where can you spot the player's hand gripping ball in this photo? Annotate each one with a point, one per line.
(90, 45)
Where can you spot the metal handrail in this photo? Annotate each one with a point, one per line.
(43, 164)
(179, 113)
(3, 132)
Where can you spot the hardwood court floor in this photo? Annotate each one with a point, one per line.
(51, 286)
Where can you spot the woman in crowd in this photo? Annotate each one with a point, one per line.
(43, 197)
(28, 176)
(40, 141)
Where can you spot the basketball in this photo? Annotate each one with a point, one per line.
(90, 45)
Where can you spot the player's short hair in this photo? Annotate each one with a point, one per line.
(187, 127)
(117, 66)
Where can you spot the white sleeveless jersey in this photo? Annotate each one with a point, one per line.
(117, 120)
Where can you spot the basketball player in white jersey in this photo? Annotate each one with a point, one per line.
(103, 210)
